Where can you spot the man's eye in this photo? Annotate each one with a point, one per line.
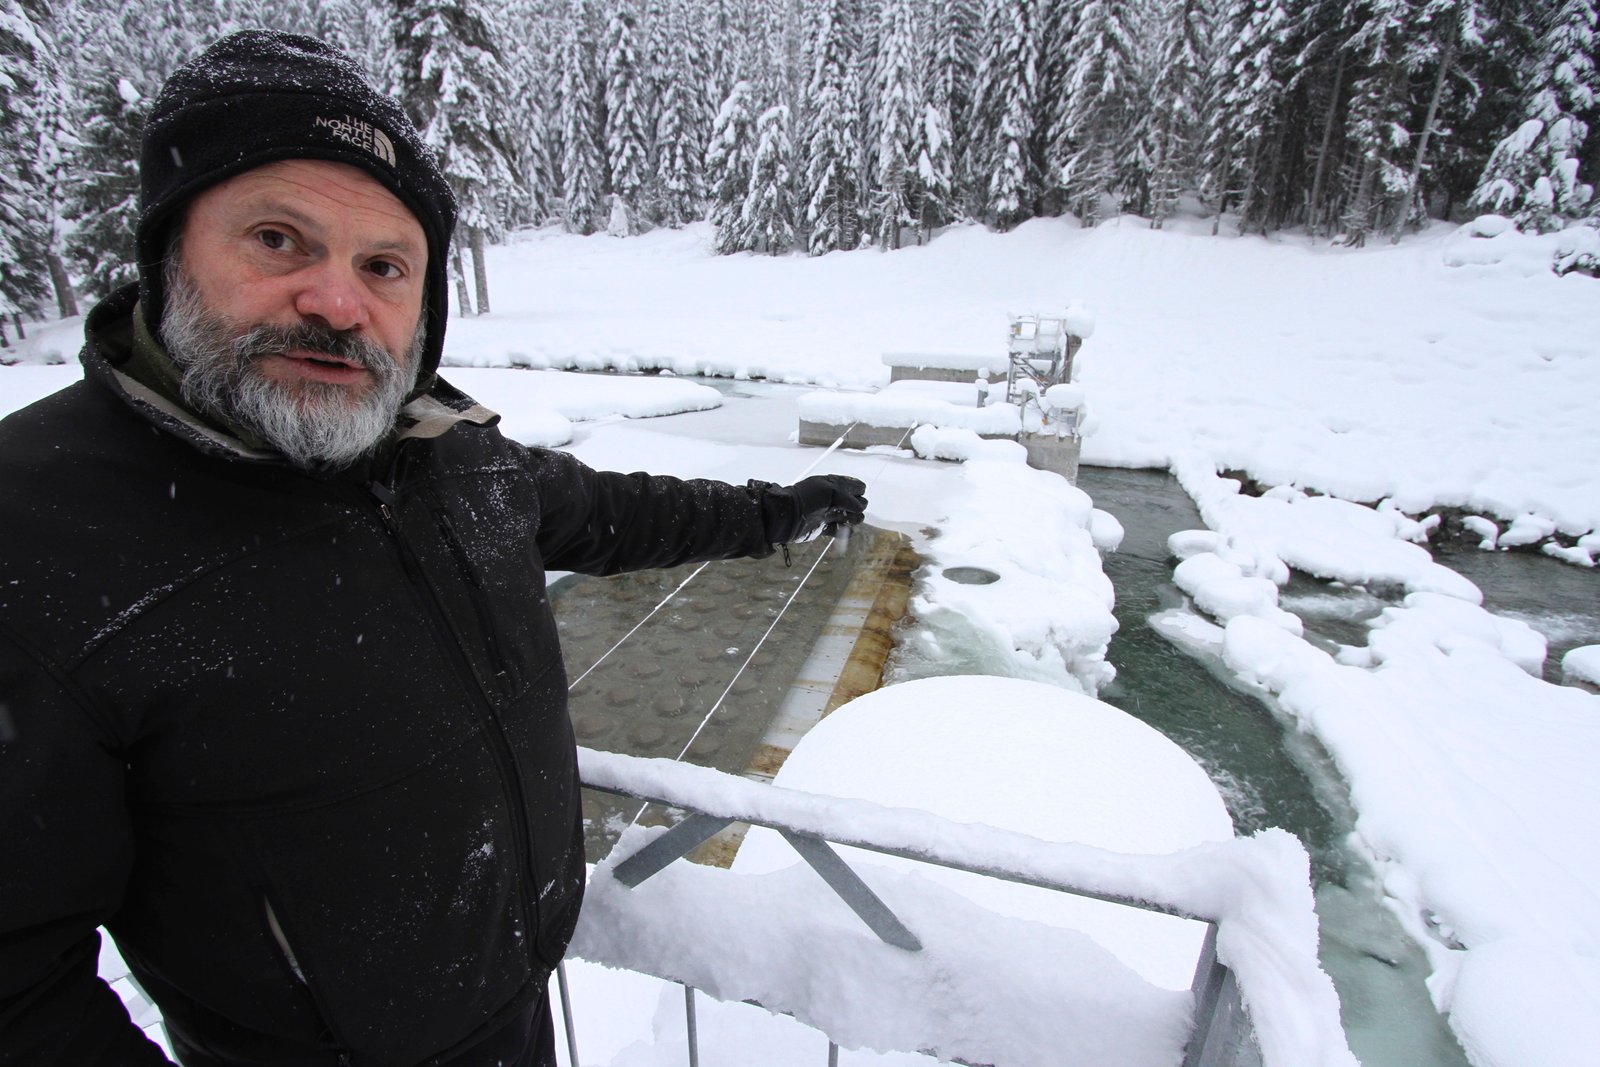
(276, 240)
(384, 269)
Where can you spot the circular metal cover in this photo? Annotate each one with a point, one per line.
(971, 575)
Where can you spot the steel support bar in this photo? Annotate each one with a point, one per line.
(1228, 1039)
(1209, 975)
(566, 1013)
(676, 843)
(694, 1031)
(853, 891)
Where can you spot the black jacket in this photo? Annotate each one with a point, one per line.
(299, 742)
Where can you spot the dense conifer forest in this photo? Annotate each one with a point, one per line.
(816, 125)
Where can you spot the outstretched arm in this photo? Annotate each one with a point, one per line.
(599, 522)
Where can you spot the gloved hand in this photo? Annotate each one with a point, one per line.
(795, 512)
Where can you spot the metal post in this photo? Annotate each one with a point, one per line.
(1207, 990)
(694, 1037)
(676, 843)
(566, 1013)
(853, 891)
(833, 1054)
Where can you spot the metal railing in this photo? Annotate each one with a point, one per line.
(1221, 1036)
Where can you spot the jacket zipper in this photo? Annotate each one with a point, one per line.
(491, 638)
(500, 748)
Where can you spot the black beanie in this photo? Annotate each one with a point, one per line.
(259, 96)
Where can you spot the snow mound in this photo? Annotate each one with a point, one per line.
(1325, 536)
(936, 442)
(1049, 617)
(1086, 772)
(1431, 621)
(1582, 665)
(1106, 530)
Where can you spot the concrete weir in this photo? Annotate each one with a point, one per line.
(708, 647)
(1046, 451)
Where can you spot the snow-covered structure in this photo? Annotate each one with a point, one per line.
(1044, 410)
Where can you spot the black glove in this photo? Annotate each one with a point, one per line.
(795, 512)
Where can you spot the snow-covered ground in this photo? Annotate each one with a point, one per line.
(1450, 370)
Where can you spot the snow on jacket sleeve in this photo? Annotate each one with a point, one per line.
(65, 852)
(601, 522)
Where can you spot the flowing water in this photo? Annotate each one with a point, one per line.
(1272, 776)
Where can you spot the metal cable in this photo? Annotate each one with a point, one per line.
(574, 684)
(743, 666)
(638, 624)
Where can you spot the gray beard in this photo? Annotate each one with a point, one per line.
(314, 425)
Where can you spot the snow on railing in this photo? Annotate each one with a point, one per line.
(944, 975)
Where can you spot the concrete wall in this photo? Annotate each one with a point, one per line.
(940, 374)
(1046, 452)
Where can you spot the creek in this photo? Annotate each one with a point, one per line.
(1273, 776)
(1269, 775)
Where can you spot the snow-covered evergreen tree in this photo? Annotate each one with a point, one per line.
(897, 105)
(628, 127)
(832, 184)
(361, 30)
(453, 83)
(1447, 31)
(26, 227)
(1280, 110)
(1376, 126)
(1053, 145)
(1533, 175)
(1251, 95)
(1003, 117)
(729, 159)
(952, 72)
(582, 166)
(1322, 70)
(679, 140)
(532, 37)
(737, 36)
(104, 199)
(935, 200)
(1169, 127)
(1100, 106)
(766, 219)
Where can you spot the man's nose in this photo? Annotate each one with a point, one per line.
(332, 295)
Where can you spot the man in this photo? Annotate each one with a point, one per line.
(281, 701)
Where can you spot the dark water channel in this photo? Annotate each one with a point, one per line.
(1560, 600)
(1268, 775)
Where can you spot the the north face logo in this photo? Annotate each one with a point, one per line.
(360, 133)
